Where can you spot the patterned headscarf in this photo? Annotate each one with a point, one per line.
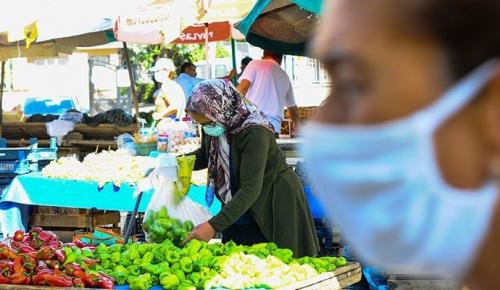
(219, 101)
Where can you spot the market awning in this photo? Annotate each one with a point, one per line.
(282, 26)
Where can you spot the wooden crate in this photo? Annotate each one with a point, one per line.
(56, 217)
(338, 279)
(54, 210)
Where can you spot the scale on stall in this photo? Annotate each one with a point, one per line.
(22, 160)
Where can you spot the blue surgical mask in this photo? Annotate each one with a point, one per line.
(214, 130)
(381, 184)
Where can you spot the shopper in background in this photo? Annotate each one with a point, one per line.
(267, 85)
(244, 62)
(187, 78)
(405, 153)
(262, 197)
(169, 100)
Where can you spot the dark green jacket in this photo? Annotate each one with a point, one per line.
(268, 189)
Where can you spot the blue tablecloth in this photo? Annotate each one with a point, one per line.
(34, 189)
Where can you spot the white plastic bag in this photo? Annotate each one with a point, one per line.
(163, 179)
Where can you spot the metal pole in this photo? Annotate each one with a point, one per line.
(132, 84)
(2, 82)
(233, 56)
(131, 222)
(207, 64)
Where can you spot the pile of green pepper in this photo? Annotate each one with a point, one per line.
(159, 226)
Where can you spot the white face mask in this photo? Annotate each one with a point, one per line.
(382, 185)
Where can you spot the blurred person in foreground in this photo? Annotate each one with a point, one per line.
(405, 152)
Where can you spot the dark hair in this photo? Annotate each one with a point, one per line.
(467, 30)
(274, 55)
(246, 60)
(185, 66)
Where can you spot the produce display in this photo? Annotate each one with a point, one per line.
(39, 258)
(115, 167)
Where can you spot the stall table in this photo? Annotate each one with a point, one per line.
(338, 279)
(34, 189)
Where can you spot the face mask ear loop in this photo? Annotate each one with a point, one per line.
(459, 95)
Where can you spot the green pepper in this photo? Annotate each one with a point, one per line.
(155, 280)
(217, 249)
(101, 249)
(142, 282)
(186, 265)
(146, 224)
(87, 253)
(71, 258)
(158, 229)
(115, 257)
(162, 213)
(185, 285)
(163, 267)
(167, 224)
(158, 256)
(147, 258)
(125, 262)
(137, 261)
(134, 270)
(169, 281)
(106, 264)
(188, 225)
(149, 268)
(284, 255)
(120, 274)
(130, 278)
(143, 249)
(67, 251)
(272, 246)
(341, 261)
(180, 274)
(76, 250)
(195, 278)
(172, 257)
(132, 253)
(193, 247)
(208, 261)
(175, 266)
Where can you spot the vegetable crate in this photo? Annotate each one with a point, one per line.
(21, 160)
(66, 221)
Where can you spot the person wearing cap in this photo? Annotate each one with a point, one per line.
(170, 100)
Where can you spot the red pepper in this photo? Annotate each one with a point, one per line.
(46, 253)
(106, 284)
(54, 280)
(18, 236)
(78, 283)
(69, 245)
(19, 278)
(6, 268)
(74, 270)
(92, 248)
(60, 255)
(41, 266)
(79, 243)
(29, 262)
(90, 262)
(7, 253)
(53, 264)
(4, 280)
(91, 280)
(36, 243)
(18, 265)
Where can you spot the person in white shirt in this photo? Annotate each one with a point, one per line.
(170, 100)
(267, 85)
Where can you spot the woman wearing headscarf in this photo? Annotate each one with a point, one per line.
(263, 200)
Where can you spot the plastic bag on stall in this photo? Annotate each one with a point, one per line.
(164, 180)
(186, 166)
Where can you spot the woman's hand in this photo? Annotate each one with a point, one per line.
(203, 232)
